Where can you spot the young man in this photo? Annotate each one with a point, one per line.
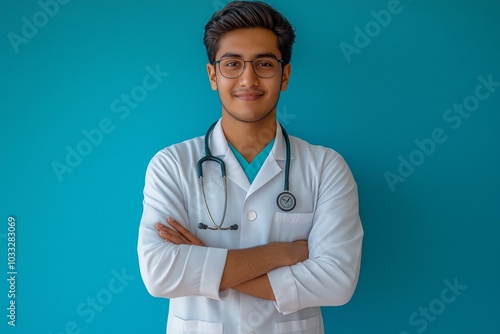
(258, 251)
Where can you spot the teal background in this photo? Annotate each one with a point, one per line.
(74, 235)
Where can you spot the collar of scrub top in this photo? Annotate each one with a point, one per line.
(220, 148)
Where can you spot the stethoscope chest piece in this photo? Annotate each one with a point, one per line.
(286, 201)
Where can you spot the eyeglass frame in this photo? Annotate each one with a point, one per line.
(280, 61)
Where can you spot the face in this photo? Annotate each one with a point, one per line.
(248, 98)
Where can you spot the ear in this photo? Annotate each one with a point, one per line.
(212, 76)
(287, 69)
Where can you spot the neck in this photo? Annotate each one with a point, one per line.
(249, 138)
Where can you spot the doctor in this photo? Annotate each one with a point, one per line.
(260, 250)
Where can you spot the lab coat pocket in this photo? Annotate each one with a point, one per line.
(291, 226)
(305, 326)
(181, 326)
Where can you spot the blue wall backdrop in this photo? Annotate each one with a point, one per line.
(407, 91)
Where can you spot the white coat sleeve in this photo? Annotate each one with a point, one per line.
(330, 275)
(170, 270)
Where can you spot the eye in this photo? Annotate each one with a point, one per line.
(232, 63)
(264, 63)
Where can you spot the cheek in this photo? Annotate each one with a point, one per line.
(275, 88)
(224, 87)
(221, 88)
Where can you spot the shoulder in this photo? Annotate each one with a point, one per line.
(322, 162)
(302, 149)
(178, 154)
(323, 167)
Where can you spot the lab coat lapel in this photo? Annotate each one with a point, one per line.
(219, 147)
(234, 171)
(270, 168)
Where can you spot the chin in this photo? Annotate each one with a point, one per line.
(249, 114)
(251, 117)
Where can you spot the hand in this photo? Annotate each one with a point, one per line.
(177, 234)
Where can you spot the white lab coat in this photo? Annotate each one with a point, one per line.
(326, 215)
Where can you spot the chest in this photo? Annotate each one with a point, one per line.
(256, 211)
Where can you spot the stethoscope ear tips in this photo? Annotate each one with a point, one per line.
(202, 226)
(233, 227)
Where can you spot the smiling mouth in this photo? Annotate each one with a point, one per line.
(248, 96)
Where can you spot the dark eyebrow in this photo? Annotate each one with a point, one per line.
(260, 55)
(266, 55)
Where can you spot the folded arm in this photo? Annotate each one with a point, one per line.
(329, 277)
(245, 269)
(182, 265)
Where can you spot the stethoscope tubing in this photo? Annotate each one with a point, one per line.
(209, 157)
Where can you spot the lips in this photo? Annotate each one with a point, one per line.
(248, 96)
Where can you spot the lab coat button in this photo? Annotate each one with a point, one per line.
(251, 215)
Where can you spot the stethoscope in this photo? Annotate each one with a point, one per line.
(285, 200)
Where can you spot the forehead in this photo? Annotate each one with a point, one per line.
(248, 43)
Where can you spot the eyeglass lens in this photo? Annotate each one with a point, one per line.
(234, 67)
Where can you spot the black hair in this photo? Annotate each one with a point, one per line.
(248, 14)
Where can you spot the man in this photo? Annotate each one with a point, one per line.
(263, 254)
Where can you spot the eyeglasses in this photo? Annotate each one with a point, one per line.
(265, 67)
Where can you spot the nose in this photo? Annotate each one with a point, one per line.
(248, 78)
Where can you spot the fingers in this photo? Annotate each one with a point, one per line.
(169, 234)
(176, 225)
(177, 233)
(184, 232)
